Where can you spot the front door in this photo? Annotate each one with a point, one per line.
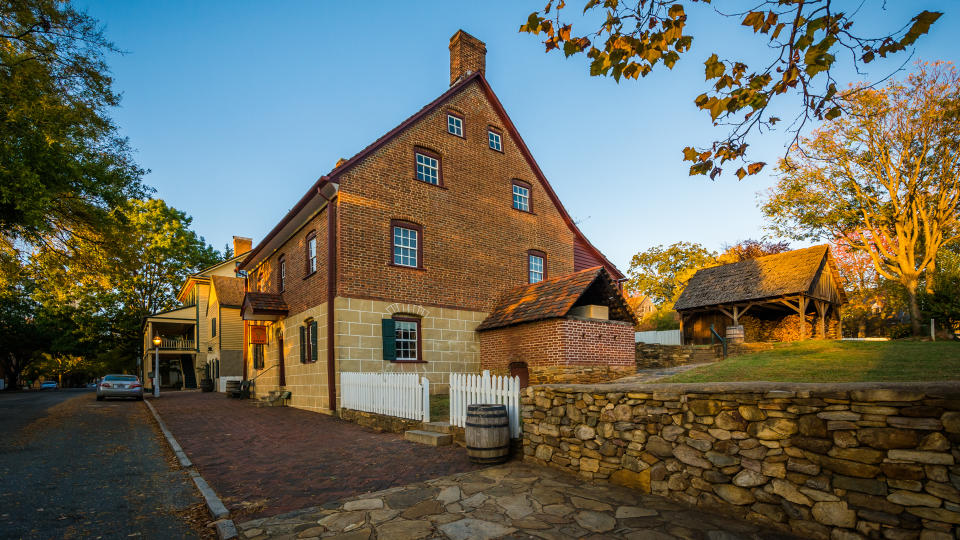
(280, 366)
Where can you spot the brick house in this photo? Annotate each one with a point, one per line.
(401, 251)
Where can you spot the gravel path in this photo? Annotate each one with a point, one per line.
(73, 467)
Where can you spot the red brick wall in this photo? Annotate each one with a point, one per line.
(474, 243)
(301, 291)
(562, 343)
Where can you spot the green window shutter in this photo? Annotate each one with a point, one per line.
(313, 340)
(303, 344)
(389, 331)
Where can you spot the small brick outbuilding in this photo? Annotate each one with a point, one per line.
(571, 329)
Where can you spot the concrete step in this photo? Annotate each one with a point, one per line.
(428, 437)
(437, 427)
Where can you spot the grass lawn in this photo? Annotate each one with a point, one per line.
(439, 407)
(837, 361)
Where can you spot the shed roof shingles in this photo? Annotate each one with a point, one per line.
(229, 290)
(547, 299)
(262, 302)
(782, 274)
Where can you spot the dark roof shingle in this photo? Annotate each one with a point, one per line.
(782, 274)
(229, 290)
(262, 302)
(552, 298)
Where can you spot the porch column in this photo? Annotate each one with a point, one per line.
(802, 305)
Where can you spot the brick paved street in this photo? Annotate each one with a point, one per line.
(280, 459)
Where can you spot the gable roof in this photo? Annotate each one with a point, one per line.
(332, 176)
(553, 298)
(203, 274)
(782, 274)
(229, 290)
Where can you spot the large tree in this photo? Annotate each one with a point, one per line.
(63, 165)
(112, 277)
(628, 39)
(662, 272)
(884, 179)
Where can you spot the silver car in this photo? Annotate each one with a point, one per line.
(119, 386)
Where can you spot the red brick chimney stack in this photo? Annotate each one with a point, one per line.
(467, 55)
(241, 245)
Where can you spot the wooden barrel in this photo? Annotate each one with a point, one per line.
(487, 433)
(735, 333)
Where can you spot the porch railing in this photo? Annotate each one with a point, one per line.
(176, 343)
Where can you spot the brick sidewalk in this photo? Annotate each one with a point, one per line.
(287, 459)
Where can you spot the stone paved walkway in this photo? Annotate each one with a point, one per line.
(270, 460)
(508, 501)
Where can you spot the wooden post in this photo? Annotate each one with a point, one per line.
(681, 328)
(821, 311)
(736, 315)
(802, 310)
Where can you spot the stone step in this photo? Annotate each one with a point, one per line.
(437, 427)
(428, 437)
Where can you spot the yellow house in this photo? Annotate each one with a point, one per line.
(204, 337)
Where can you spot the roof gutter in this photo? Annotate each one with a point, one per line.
(305, 209)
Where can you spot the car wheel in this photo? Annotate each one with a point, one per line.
(99, 398)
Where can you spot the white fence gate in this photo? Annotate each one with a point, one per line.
(661, 337)
(469, 389)
(404, 395)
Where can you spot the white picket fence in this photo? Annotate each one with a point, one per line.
(404, 395)
(662, 337)
(469, 389)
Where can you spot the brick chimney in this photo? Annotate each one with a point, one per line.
(241, 245)
(467, 55)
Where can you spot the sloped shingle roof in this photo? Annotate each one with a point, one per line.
(265, 302)
(552, 298)
(782, 274)
(229, 290)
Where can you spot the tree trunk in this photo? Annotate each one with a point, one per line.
(914, 307)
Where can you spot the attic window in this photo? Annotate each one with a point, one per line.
(454, 124)
(495, 140)
(428, 167)
(521, 196)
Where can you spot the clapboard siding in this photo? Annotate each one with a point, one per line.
(231, 329)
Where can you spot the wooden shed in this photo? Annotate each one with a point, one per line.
(784, 297)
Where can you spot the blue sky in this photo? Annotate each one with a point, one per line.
(238, 107)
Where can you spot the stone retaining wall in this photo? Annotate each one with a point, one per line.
(379, 422)
(655, 355)
(823, 461)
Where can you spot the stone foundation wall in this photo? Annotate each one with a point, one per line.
(822, 461)
(379, 422)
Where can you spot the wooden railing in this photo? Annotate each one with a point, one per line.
(176, 343)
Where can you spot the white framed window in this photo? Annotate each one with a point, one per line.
(535, 267)
(408, 340)
(454, 125)
(428, 169)
(521, 197)
(406, 246)
(495, 141)
(282, 273)
(311, 253)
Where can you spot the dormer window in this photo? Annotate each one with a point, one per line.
(455, 124)
(496, 143)
(428, 167)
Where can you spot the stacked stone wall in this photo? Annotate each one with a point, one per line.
(654, 355)
(821, 461)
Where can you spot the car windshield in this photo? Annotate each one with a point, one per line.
(126, 378)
